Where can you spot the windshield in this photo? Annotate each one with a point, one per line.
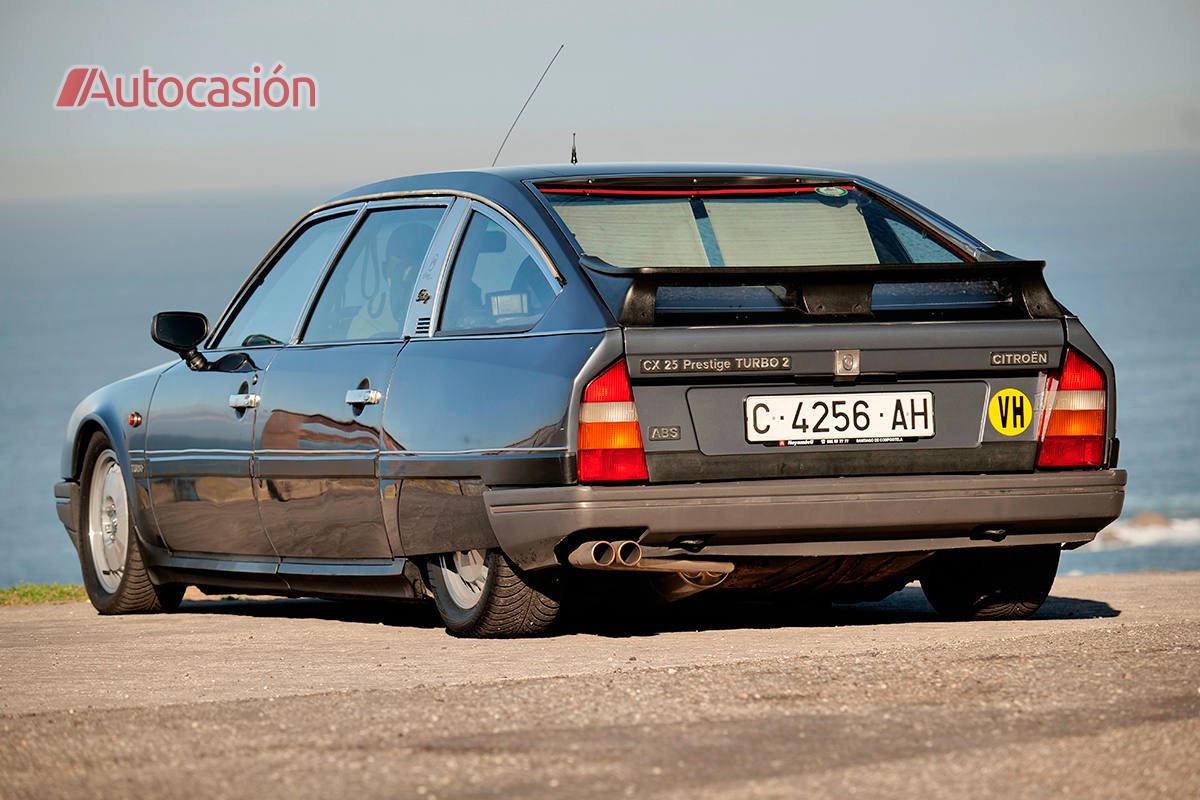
(761, 227)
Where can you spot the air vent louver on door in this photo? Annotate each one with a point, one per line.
(422, 326)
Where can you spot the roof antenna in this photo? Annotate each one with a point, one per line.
(574, 157)
(527, 99)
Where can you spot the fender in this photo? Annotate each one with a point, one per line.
(107, 410)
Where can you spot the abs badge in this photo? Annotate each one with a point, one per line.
(1010, 412)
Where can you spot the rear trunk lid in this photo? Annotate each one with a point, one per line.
(768, 401)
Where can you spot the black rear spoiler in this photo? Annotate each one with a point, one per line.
(842, 290)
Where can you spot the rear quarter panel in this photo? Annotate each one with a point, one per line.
(465, 414)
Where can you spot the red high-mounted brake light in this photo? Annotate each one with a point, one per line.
(1073, 419)
(694, 192)
(610, 438)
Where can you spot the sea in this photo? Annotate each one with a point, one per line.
(82, 276)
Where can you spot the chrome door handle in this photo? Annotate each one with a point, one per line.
(363, 397)
(244, 400)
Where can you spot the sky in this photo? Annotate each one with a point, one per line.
(973, 108)
(415, 87)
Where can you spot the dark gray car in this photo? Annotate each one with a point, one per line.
(484, 386)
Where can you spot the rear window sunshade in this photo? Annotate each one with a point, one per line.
(741, 226)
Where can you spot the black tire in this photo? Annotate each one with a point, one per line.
(509, 602)
(990, 583)
(133, 592)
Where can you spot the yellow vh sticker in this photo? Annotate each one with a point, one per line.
(1010, 411)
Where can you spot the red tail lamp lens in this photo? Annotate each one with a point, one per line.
(1073, 428)
(610, 438)
(612, 386)
(1079, 373)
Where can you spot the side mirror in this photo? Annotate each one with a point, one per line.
(181, 332)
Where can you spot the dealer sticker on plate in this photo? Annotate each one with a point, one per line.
(781, 419)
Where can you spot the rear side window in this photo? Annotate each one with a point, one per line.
(269, 315)
(495, 283)
(916, 243)
(370, 288)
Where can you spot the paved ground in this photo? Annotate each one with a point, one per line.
(1099, 696)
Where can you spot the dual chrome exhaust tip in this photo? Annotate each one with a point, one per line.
(674, 578)
(626, 556)
(622, 555)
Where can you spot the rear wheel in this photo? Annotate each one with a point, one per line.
(990, 583)
(114, 573)
(480, 593)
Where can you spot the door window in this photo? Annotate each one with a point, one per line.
(371, 285)
(495, 285)
(268, 316)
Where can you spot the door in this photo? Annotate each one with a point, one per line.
(198, 460)
(317, 435)
(467, 403)
(201, 422)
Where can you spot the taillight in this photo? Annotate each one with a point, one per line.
(1072, 427)
(610, 439)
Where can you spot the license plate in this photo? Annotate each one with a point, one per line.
(797, 419)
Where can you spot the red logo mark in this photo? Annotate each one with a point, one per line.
(72, 92)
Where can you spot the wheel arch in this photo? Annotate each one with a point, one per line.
(87, 429)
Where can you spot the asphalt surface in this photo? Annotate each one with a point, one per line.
(1098, 696)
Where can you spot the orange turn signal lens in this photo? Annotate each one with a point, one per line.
(610, 436)
(1076, 423)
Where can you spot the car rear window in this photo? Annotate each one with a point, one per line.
(632, 226)
(793, 226)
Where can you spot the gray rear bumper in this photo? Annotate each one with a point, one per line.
(814, 516)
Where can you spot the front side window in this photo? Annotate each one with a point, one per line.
(495, 284)
(269, 315)
(371, 285)
(802, 226)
